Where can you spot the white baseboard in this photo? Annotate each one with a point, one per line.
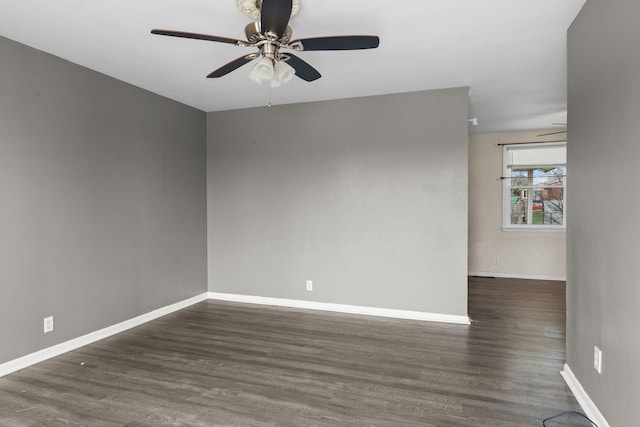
(590, 408)
(343, 308)
(518, 276)
(58, 349)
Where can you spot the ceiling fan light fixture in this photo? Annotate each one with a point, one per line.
(263, 71)
(282, 73)
(252, 7)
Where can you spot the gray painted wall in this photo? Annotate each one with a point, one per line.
(367, 197)
(603, 268)
(102, 200)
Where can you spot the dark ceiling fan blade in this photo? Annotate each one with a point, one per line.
(553, 133)
(233, 65)
(303, 70)
(199, 37)
(336, 43)
(274, 16)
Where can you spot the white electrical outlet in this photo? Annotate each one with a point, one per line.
(48, 324)
(496, 260)
(309, 285)
(597, 359)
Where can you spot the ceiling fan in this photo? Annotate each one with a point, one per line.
(271, 34)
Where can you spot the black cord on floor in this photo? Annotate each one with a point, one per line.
(568, 413)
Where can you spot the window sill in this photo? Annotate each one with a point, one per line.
(536, 229)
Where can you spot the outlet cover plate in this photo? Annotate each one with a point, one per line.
(48, 324)
(597, 359)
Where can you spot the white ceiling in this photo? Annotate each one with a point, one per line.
(511, 53)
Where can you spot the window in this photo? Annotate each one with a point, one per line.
(534, 186)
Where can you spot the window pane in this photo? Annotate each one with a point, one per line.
(539, 177)
(553, 206)
(520, 177)
(518, 206)
(537, 207)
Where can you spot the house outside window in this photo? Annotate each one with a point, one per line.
(534, 186)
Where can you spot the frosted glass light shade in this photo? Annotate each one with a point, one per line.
(283, 72)
(263, 71)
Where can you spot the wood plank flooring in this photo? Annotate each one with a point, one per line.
(228, 364)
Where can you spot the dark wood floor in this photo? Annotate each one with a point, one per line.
(227, 364)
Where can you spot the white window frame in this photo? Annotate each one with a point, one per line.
(506, 190)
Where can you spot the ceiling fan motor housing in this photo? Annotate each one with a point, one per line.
(254, 34)
(269, 44)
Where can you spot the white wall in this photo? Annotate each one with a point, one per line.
(526, 254)
(367, 197)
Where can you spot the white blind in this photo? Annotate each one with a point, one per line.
(537, 156)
